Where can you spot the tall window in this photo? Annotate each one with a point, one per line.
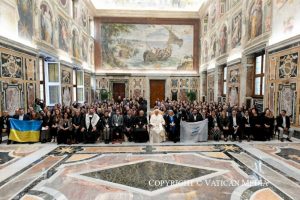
(41, 70)
(52, 80)
(80, 86)
(225, 81)
(259, 77)
(74, 85)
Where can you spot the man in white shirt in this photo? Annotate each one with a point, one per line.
(284, 126)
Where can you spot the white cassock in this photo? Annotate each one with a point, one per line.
(157, 131)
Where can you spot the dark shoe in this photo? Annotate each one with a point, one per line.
(225, 139)
(248, 139)
(281, 139)
(288, 139)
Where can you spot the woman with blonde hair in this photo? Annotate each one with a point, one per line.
(268, 124)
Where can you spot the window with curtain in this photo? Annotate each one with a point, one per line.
(80, 86)
(52, 83)
(225, 81)
(41, 71)
(259, 76)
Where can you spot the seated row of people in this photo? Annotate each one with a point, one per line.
(91, 127)
(76, 126)
(249, 126)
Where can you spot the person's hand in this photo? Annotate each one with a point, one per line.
(94, 128)
(82, 129)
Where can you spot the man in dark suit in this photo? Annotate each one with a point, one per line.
(117, 124)
(172, 126)
(284, 126)
(106, 124)
(195, 117)
(4, 125)
(128, 126)
(77, 121)
(21, 115)
(235, 126)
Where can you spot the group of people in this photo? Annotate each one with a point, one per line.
(128, 120)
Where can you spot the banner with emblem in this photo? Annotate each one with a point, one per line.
(193, 131)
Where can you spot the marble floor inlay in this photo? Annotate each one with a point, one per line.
(222, 171)
(140, 175)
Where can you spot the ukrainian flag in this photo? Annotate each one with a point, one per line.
(25, 131)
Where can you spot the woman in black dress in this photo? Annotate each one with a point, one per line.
(268, 126)
(246, 125)
(214, 126)
(224, 122)
(46, 124)
(140, 133)
(54, 125)
(65, 127)
(257, 125)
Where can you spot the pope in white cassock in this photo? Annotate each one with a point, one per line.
(157, 131)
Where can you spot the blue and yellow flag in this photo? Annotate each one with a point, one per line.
(25, 131)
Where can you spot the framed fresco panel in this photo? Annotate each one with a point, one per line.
(31, 92)
(12, 97)
(66, 96)
(138, 44)
(66, 77)
(30, 69)
(11, 66)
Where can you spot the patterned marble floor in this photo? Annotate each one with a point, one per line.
(254, 171)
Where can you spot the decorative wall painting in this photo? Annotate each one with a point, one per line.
(174, 83)
(64, 35)
(11, 66)
(174, 94)
(223, 40)
(233, 97)
(287, 99)
(288, 65)
(25, 24)
(46, 23)
(66, 96)
(184, 83)
(236, 30)
(255, 21)
(234, 76)
(12, 97)
(30, 94)
(66, 77)
(147, 46)
(30, 69)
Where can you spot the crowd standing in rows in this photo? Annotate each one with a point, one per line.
(128, 120)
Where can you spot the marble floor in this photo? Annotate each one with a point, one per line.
(254, 171)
